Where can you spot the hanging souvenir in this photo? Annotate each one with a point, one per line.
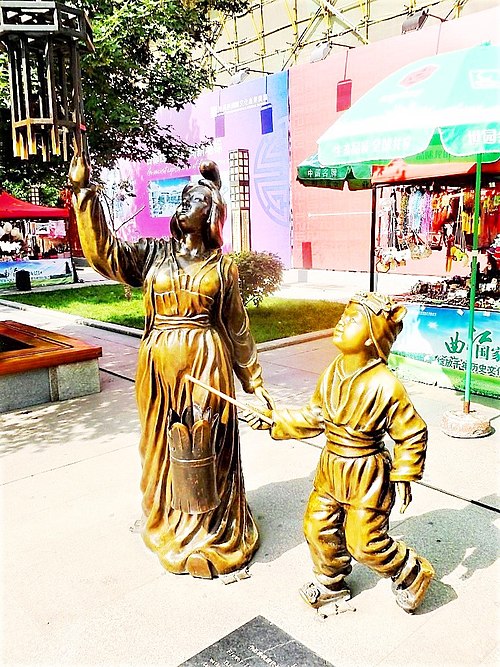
(419, 249)
(426, 213)
(414, 210)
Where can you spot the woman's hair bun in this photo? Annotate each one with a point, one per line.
(210, 171)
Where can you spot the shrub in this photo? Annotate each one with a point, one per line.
(261, 274)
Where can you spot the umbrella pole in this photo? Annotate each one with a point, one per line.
(473, 281)
(469, 423)
(373, 224)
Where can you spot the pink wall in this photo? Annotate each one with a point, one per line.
(337, 223)
(158, 186)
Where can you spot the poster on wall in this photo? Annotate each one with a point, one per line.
(246, 127)
(52, 229)
(432, 348)
(164, 196)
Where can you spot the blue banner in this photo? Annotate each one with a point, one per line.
(432, 348)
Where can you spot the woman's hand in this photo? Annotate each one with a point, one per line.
(79, 172)
(404, 492)
(263, 395)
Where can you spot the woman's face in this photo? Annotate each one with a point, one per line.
(194, 209)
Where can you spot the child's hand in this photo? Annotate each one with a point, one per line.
(265, 397)
(255, 421)
(404, 492)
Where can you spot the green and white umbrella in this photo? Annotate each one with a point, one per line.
(433, 162)
(456, 94)
(451, 97)
(357, 176)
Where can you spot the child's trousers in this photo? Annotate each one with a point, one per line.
(347, 516)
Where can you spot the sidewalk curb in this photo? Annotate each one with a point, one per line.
(137, 333)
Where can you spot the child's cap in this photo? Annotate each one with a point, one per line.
(384, 319)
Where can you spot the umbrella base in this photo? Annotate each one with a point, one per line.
(458, 424)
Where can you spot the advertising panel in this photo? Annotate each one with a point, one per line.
(246, 127)
(164, 196)
(42, 272)
(432, 348)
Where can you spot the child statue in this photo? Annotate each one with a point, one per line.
(357, 401)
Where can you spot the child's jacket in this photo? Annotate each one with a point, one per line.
(355, 412)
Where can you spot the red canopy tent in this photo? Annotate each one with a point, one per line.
(16, 209)
(399, 171)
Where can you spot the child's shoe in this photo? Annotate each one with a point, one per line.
(411, 584)
(316, 595)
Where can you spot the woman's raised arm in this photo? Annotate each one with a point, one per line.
(110, 256)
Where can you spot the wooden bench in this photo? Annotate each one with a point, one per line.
(38, 366)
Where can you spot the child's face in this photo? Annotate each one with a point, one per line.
(352, 331)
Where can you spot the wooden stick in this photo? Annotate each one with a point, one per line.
(229, 399)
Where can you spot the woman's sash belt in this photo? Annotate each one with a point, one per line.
(162, 322)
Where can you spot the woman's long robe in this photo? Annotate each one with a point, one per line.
(196, 324)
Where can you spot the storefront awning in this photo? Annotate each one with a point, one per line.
(16, 209)
(357, 176)
(433, 163)
(400, 171)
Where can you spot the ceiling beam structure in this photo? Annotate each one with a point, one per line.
(328, 6)
(273, 35)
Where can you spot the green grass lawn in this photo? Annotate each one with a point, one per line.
(274, 318)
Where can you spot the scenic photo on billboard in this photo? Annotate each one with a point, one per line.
(165, 195)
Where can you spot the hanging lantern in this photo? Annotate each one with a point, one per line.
(43, 41)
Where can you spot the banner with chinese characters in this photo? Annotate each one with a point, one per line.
(245, 129)
(42, 272)
(432, 348)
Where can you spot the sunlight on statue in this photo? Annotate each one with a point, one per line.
(196, 517)
(357, 401)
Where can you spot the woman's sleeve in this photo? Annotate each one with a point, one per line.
(110, 256)
(236, 323)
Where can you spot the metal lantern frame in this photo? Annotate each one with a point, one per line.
(43, 40)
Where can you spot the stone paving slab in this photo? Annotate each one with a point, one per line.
(92, 594)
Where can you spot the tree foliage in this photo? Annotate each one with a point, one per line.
(4, 79)
(148, 55)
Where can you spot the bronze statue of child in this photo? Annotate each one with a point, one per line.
(357, 401)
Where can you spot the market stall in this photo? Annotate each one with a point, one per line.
(436, 117)
(424, 223)
(34, 248)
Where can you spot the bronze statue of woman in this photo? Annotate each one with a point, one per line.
(196, 517)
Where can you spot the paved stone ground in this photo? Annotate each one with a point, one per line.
(79, 587)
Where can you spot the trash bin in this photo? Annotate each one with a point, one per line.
(23, 280)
